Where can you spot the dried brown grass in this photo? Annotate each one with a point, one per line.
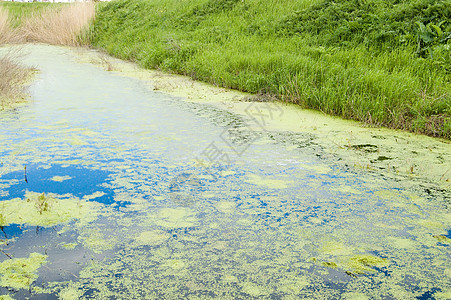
(13, 77)
(8, 35)
(59, 26)
(56, 26)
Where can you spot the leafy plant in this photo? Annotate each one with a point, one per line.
(430, 35)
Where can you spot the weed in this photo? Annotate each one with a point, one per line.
(105, 61)
(62, 25)
(20, 11)
(385, 63)
(2, 219)
(42, 203)
(2, 227)
(3, 223)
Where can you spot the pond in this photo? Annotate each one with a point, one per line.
(110, 190)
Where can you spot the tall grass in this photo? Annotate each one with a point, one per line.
(7, 33)
(382, 62)
(59, 26)
(19, 11)
(51, 24)
(13, 76)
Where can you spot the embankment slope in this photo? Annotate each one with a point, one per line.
(385, 63)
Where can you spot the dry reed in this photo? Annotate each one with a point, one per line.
(13, 77)
(59, 26)
(7, 34)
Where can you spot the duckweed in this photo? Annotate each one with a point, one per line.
(20, 273)
(179, 217)
(249, 233)
(362, 264)
(60, 178)
(38, 209)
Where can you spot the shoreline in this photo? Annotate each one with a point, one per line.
(394, 153)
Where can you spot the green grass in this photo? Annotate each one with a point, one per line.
(384, 63)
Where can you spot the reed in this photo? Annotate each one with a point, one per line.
(7, 33)
(61, 26)
(57, 25)
(13, 77)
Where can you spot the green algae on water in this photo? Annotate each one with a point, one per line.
(255, 290)
(96, 241)
(70, 292)
(342, 257)
(179, 217)
(267, 182)
(155, 237)
(365, 263)
(68, 246)
(446, 295)
(20, 273)
(442, 239)
(60, 178)
(240, 237)
(38, 209)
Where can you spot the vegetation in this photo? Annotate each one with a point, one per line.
(382, 62)
(6, 32)
(61, 26)
(19, 11)
(42, 203)
(38, 22)
(57, 24)
(13, 76)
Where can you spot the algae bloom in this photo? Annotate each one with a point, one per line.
(175, 218)
(39, 209)
(364, 263)
(20, 273)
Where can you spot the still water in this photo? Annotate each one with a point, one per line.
(110, 190)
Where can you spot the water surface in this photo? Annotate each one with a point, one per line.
(131, 193)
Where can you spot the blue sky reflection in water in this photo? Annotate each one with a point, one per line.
(277, 220)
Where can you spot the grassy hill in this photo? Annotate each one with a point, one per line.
(383, 62)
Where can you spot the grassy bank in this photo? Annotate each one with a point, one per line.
(385, 63)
